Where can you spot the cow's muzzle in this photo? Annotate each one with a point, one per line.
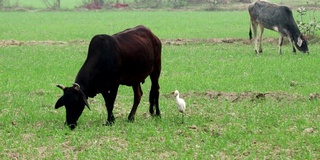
(72, 126)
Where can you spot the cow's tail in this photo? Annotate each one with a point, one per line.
(250, 33)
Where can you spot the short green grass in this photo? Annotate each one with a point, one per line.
(67, 26)
(285, 127)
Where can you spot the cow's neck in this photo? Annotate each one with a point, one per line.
(294, 32)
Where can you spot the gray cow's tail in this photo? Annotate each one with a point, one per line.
(250, 33)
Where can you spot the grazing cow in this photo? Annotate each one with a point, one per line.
(279, 19)
(125, 58)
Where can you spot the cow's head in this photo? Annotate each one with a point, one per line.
(74, 100)
(302, 44)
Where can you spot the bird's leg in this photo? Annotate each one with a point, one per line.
(182, 118)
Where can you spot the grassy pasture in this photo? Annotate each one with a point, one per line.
(282, 126)
(67, 26)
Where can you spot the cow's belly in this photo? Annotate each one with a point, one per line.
(133, 76)
(132, 79)
(135, 72)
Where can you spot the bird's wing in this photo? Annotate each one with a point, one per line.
(181, 105)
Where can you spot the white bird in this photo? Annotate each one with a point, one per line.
(181, 104)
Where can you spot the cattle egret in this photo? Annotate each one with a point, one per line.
(181, 104)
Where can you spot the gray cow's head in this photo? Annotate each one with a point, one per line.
(74, 100)
(302, 44)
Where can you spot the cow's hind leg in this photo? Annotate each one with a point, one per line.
(137, 97)
(254, 28)
(260, 39)
(154, 94)
(109, 98)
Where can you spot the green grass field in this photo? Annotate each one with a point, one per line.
(220, 82)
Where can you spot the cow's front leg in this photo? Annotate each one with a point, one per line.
(109, 98)
(137, 97)
(280, 44)
(292, 43)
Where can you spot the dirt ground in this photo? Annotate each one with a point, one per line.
(251, 96)
(177, 41)
(22, 43)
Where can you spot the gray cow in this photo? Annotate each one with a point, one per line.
(279, 19)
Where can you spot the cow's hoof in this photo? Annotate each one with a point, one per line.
(151, 113)
(158, 116)
(131, 119)
(109, 123)
(257, 52)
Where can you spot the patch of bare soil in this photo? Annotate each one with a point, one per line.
(246, 41)
(177, 41)
(183, 41)
(22, 43)
(251, 96)
(174, 42)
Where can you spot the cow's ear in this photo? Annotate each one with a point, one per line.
(85, 101)
(300, 41)
(60, 103)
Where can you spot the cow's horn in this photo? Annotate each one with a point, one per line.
(76, 86)
(61, 86)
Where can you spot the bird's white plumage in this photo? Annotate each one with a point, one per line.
(181, 104)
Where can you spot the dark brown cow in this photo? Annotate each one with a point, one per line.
(277, 18)
(125, 58)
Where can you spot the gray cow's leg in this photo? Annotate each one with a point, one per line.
(254, 28)
(260, 39)
(280, 44)
(109, 98)
(292, 43)
(137, 97)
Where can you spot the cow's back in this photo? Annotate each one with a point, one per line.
(139, 50)
(270, 15)
(125, 58)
